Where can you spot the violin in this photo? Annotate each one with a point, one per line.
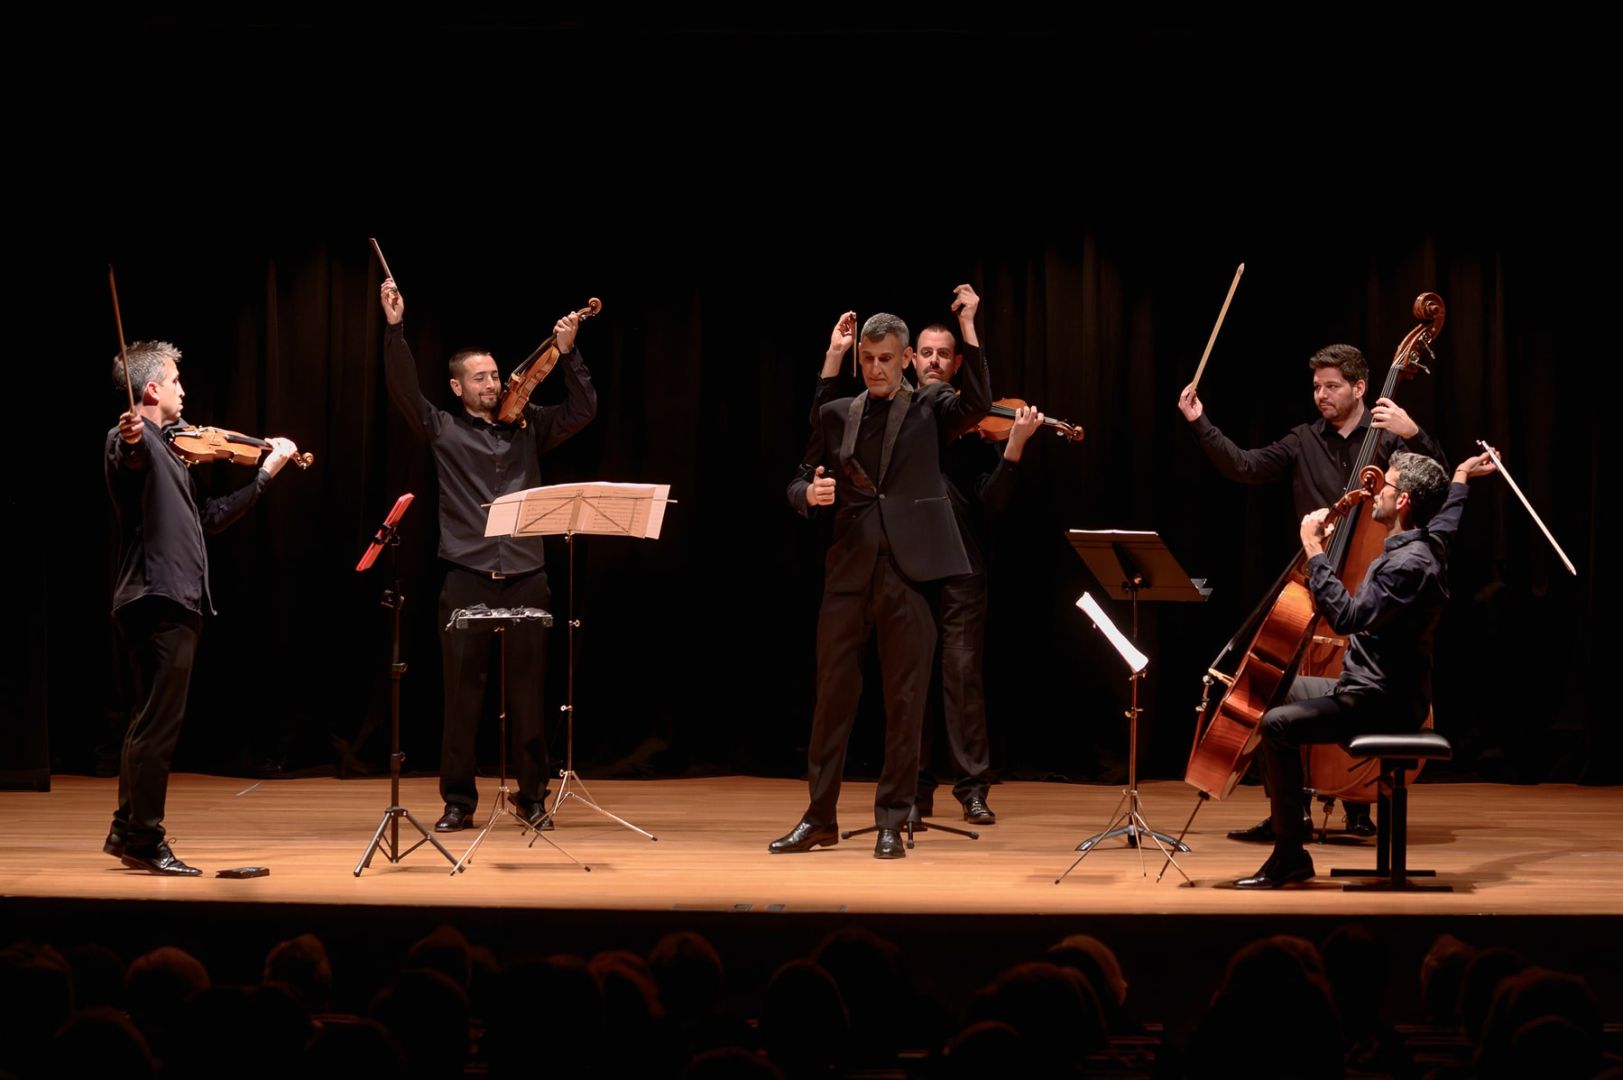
(528, 375)
(200, 444)
(996, 424)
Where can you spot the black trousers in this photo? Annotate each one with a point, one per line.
(159, 640)
(470, 661)
(957, 699)
(1314, 713)
(898, 611)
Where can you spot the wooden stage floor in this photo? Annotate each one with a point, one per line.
(1550, 850)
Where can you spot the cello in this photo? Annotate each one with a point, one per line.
(1227, 734)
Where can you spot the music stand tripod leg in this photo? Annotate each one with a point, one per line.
(912, 825)
(1161, 840)
(394, 600)
(925, 824)
(391, 845)
(586, 800)
(497, 812)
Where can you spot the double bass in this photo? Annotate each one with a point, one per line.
(1283, 638)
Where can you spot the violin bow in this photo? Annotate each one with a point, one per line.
(1221, 315)
(856, 343)
(387, 273)
(1500, 465)
(123, 350)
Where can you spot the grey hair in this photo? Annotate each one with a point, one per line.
(881, 324)
(1425, 482)
(146, 363)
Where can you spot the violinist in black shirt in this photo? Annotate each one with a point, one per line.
(478, 460)
(162, 590)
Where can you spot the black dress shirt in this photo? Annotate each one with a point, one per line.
(160, 525)
(1392, 618)
(478, 462)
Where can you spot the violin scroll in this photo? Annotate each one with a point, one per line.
(528, 375)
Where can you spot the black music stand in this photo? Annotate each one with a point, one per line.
(388, 535)
(602, 508)
(914, 824)
(500, 620)
(1131, 566)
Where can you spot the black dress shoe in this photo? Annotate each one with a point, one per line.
(456, 817)
(1277, 871)
(1260, 833)
(114, 845)
(533, 814)
(976, 812)
(1359, 822)
(889, 845)
(804, 837)
(157, 860)
(1263, 831)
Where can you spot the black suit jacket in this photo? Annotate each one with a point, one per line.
(980, 480)
(908, 502)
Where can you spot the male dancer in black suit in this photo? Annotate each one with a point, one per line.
(876, 458)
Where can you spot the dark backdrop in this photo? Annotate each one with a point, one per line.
(737, 191)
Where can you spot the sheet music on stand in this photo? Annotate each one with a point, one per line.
(1132, 565)
(599, 507)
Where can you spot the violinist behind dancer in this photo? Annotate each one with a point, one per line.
(874, 462)
(479, 459)
(1385, 683)
(161, 592)
(980, 484)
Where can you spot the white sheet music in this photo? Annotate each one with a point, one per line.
(598, 506)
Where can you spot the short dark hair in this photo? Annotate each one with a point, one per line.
(940, 328)
(1425, 482)
(460, 358)
(1346, 358)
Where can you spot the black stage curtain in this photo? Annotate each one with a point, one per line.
(744, 184)
(696, 649)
